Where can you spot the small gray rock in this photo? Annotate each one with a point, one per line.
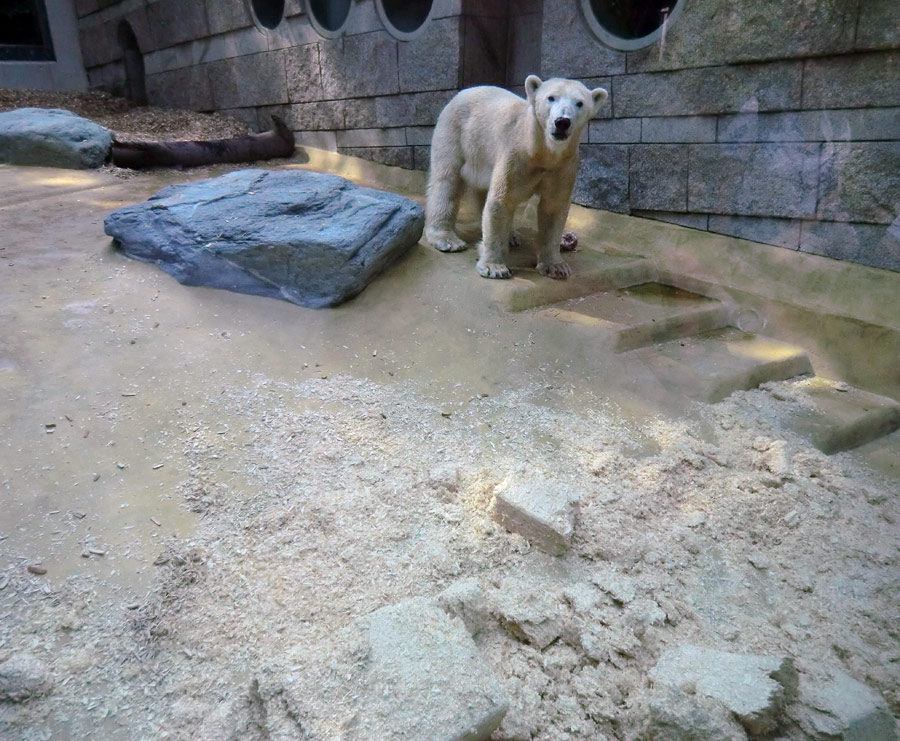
(541, 511)
(754, 688)
(833, 705)
(527, 612)
(310, 238)
(676, 715)
(52, 137)
(22, 676)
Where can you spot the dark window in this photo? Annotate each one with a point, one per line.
(24, 32)
(402, 18)
(269, 13)
(329, 16)
(629, 24)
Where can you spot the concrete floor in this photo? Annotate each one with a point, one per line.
(98, 352)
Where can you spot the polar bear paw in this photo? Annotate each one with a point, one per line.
(446, 242)
(558, 270)
(493, 270)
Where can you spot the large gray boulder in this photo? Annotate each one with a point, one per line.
(52, 137)
(306, 237)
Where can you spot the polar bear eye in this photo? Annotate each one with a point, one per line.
(551, 99)
(580, 104)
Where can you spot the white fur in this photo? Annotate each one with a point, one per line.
(504, 149)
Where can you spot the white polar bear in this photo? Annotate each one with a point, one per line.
(507, 149)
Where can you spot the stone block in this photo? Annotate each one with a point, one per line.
(232, 44)
(809, 126)
(86, 7)
(658, 177)
(320, 116)
(716, 32)
(257, 79)
(878, 24)
(868, 244)
(754, 179)
(487, 8)
(526, 610)
(671, 129)
(691, 221)
(856, 81)
(302, 74)
(317, 139)
(291, 32)
(173, 57)
(227, 15)
(371, 138)
(539, 510)
(569, 49)
(780, 232)
(174, 22)
(467, 601)
(676, 715)
(484, 51)
(603, 177)
(358, 66)
(99, 44)
(859, 182)
(249, 116)
(363, 19)
(188, 88)
(393, 156)
(419, 135)
(753, 688)
(407, 671)
(421, 158)
(615, 131)
(833, 705)
(432, 60)
(836, 417)
(743, 88)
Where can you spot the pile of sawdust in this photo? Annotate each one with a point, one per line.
(339, 496)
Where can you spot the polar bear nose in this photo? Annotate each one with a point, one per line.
(562, 123)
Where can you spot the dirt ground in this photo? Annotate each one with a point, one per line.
(313, 485)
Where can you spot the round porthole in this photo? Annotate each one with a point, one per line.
(329, 17)
(404, 19)
(268, 13)
(630, 25)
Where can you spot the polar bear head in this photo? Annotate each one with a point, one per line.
(562, 107)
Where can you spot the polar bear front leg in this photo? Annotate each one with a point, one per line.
(496, 224)
(552, 214)
(445, 188)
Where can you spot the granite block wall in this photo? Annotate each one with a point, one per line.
(778, 121)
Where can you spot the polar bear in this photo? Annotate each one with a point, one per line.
(506, 149)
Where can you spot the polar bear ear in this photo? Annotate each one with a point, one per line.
(532, 83)
(599, 95)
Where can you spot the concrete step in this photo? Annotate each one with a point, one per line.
(834, 416)
(712, 365)
(641, 315)
(592, 271)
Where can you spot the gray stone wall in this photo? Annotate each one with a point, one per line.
(775, 121)
(364, 94)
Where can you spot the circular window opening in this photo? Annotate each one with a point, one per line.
(629, 25)
(404, 19)
(268, 13)
(329, 17)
